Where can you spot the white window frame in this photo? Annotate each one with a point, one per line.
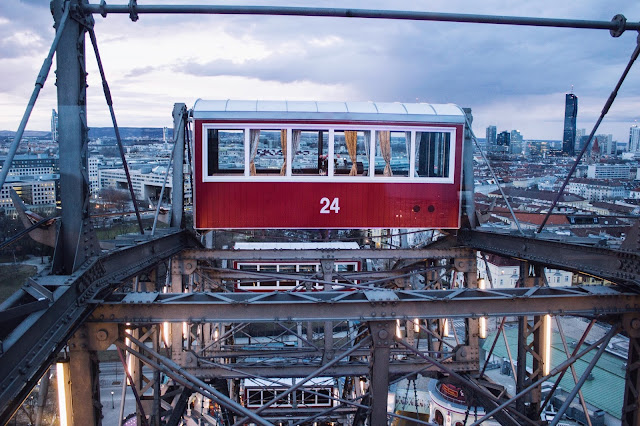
(330, 177)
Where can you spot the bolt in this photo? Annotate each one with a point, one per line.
(635, 324)
(102, 335)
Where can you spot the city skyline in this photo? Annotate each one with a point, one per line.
(512, 77)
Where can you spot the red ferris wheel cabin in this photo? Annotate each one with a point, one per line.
(298, 164)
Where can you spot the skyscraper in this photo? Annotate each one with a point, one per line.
(54, 125)
(634, 139)
(504, 139)
(516, 142)
(570, 114)
(491, 135)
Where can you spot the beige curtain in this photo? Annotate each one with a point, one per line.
(295, 144)
(283, 144)
(385, 149)
(351, 139)
(254, 137)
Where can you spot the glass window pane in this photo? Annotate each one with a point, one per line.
(268, 157)
(432, 154)
(392, 153)
(343, 162)
(324, 398)
(310, 157)
(225, 151)
(307, 268)
(254, 397)
(345, 267)
(266, 281)
(309, 398)
(289, 270)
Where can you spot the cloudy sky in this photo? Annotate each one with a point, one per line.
(512, 77)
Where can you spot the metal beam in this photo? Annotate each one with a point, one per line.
(177, 189)
(631, 406)
(613, 265)
(76, 241)
(328, 254)
(31, 345)
(616, 26)
(382, 333)
(374, 305)
(240, 371)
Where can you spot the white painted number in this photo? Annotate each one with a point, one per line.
(328, 206)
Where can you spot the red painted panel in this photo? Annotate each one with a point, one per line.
(291, 204)
(297, 205)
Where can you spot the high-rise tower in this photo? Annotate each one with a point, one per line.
(570, 115)
(54, 125)
(634, 139)
(491, 135)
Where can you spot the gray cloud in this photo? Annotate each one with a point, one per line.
(473, 65)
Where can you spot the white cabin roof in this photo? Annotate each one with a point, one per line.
(330, 245)
(286, 382)
(325, 110)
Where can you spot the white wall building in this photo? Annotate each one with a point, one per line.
(33, 192)
(146, 183)
(506, 272)
(608, 171)
(594, 190)
(94, 182)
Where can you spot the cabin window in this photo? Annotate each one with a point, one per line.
(268, 269)
(325, 397)
(309, 149)
(225, 151)
(351, 153)
(432, 154)
(392, 153)
(266, 153)
(309, 398)
(321, 152)
(254, 398)
(288, 270)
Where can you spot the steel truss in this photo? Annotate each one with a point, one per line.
(302, 322)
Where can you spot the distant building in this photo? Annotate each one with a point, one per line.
(516, 144)
(634, 139)
(595, 154)
(505, 273)
(607, 144)
(33, 192)
(608, 171)
(147, 183)
(33, 165)
(94, 182)
(597, 190)
(504, 139)
(491, 135)
(582, 141)
(580, 133)
(54, 126)
(570, 115)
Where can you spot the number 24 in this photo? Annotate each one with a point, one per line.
(329, 206)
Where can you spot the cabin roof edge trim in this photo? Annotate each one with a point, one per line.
(326, 110)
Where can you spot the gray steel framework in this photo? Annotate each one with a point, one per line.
(368, 305)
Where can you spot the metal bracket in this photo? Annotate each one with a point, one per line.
(103, 8)
(36, 290)
(621, 21)
(133, 13)
(101, 335)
